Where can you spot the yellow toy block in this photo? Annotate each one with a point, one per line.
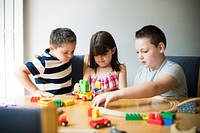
(97, 85)
(95, 113)
(145, 117)
(68, 102)
(46, 103)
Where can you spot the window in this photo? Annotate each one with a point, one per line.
(11, 46)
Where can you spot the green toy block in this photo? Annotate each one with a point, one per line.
(133, 116)
(168, 115)
(58, 103)
(84, 86)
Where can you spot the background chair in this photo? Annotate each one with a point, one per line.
(190, 65)
(79, 66)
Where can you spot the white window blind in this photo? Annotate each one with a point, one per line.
(11, 46)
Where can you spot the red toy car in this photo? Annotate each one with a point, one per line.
(100, 123)
(63, 121)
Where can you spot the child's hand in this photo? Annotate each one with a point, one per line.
(76, 87)
(40, 93)
(105, 98)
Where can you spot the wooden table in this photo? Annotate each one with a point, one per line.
(78, 119)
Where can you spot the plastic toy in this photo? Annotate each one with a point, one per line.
(84, 93)
(58, 103)
(133, 116)
(90, 112)
(46, 103)
(168, 121)
(68, 102)
(167, 115)
(97, 86)
(63, 121)
(100, 123)
(34, 99)
(84, 86)
(114, 130)
(94, 113)
(144, 117)
(158, 120)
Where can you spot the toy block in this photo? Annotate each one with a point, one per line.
(34, 99)
(168, 115)
(58, 103)
(168, 121)
(90, 112)
(144, 117)
(132, 116)
(97, 84)
(187, 108)
(158, 120)
(68, 102)
(95, 113)
(84, 86)
(46, 103)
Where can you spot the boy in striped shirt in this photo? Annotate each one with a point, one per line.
(51, 70)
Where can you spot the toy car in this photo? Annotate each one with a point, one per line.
(63, 121)
(83, 95)
(100, 123)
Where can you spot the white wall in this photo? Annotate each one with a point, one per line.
(179, 19)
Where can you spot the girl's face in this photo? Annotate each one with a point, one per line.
(148, 54)
(104, 59)
(65, 52)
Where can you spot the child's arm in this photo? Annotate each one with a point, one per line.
(142, 90)
(22, 74)
(122, 77)
(86, 76)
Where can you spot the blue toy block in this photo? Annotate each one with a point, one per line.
(168, 121)
(84, 86)
(132, 116)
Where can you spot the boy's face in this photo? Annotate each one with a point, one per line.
(148, 54)
(65, 52)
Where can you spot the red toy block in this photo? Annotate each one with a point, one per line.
(34, 99)
(90, 112)
(158, 120)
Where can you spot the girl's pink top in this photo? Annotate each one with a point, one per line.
(109, 82)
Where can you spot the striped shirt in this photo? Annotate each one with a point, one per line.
(50, 74)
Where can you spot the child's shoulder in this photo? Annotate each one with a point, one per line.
(123, 67)
(90, 70)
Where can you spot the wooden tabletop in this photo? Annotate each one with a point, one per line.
(78, 120)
